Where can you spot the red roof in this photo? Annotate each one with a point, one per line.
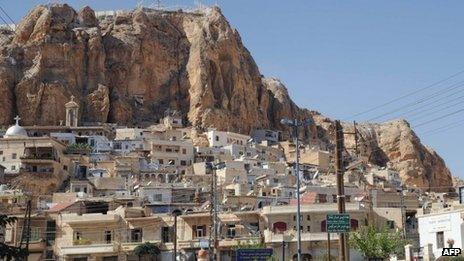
(61, 206)
(306, 198)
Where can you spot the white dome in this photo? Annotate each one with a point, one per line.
(15, 130)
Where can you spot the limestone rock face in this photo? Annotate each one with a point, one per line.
(395, 144)
(130, 67)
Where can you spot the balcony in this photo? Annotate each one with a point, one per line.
(291, 236)
(78, 148)
(90, 248)
(231, 242)
(89, 218)
(194, 243)
(38, 172)
(130, 246)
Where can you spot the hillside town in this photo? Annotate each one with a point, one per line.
(96, 192)
(151, 134)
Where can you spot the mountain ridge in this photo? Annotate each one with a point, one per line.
(130, 67)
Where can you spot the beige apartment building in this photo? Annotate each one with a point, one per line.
(279, 227)
(115, 235)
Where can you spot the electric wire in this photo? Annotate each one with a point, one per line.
(420, 101)
(407, 94)
(423, 108)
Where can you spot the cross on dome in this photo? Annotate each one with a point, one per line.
(17, 118)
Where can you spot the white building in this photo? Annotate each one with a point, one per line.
(442, 227)
(223, 138)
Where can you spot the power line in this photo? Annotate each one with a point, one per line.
(3, 11)
(6, 23)
(439, 118)
(439, 110)
(430, 103)
(414, 103)
(449, 126)
(407, 95)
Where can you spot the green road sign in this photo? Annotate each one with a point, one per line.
(338, 223)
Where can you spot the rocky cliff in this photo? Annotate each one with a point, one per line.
(130, 67)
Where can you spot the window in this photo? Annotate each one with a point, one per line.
(158, 197)
(160, 161)
(136, 235)
(231, 231)
(183, 163)
(321, 198)
(308, 218)
(167, 234)
(35, 234)
(1, 152)
(184, 151)
(308, 228)
(199, 231)
(13, 167)
(347, 198)
(50, 232)
(217, 138)
(108, 236)
(334, 198)
(14, 156)
(65, 167)
(390, 224)
(440, 239)
(110, 258)
(77, 235)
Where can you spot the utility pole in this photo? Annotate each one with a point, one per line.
(356, 141)
(26, 231)
(216, 221)
(298, 182)
(328, 246)
(175, 237)
(295, 124)
(211, 214)
(339, 170)
(213, 236)
(283, 250)
(403, 215)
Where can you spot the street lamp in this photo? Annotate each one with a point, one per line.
(295, 124)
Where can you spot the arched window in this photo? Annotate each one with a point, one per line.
(279, 227)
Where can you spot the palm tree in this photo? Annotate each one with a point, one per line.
(147, 249)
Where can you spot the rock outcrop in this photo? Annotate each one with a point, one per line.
(130, 67)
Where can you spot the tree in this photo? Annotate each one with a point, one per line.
(376, 243)
(6, 251)
(147, 249)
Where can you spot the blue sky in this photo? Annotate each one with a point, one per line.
(343, 57)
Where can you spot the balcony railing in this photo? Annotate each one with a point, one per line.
(291, 236)
(89, 249)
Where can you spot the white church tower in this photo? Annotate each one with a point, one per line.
(72, 113)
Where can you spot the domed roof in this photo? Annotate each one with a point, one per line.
(15, 130)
